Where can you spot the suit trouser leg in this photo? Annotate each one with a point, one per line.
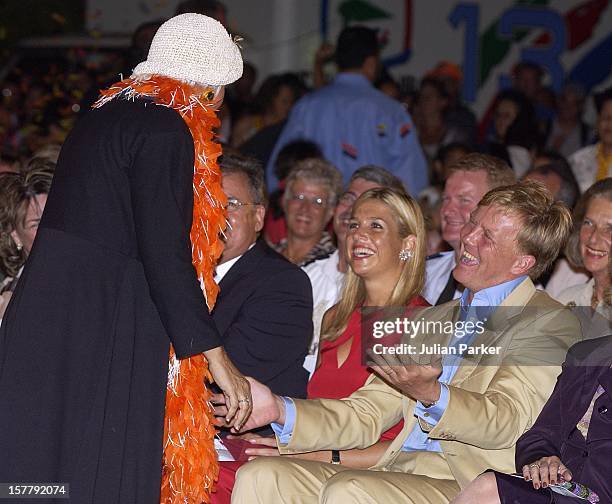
(293, 481)
(282, 480)
(371, 487)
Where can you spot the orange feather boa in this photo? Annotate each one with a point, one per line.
(190, 466)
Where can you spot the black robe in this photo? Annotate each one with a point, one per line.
(108, 286)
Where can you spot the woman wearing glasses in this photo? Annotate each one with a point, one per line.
(310, 197)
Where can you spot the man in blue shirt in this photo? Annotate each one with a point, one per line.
(463, 414)
(353, 122)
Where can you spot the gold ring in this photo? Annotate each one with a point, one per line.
(248, 401)
(535, 464)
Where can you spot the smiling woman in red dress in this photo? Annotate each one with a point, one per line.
(386, 253)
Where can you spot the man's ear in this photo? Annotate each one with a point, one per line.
(523, 264)
(260, 215)
(370, 67)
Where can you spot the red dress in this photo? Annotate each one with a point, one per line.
(328, 382)
(332, 382)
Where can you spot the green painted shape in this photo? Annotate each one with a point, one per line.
(360, 10)
(493, 49)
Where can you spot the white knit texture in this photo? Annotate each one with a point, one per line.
(193, 48)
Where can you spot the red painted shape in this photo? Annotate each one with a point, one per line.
(579, 22)
(408, 24)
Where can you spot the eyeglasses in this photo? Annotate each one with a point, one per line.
(234, 204)
(317, 201)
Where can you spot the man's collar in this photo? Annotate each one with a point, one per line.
(353, 78)
(222, 269)
(491, 296)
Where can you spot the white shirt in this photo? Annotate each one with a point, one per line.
(584, 165)
(578, 295)
(438, 269)
(327, 284)
(222, 269)
(563, 277)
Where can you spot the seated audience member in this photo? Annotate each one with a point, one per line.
(430, 118)
(447, 156)
(458, 115)
(271, 106)
(264, 308)
(555, 173)
(515, 130)
(459, 419)
(562, 273)
(567, 132)
(430, 198)
(557, 176)
(570, 440)
(468, 180)
(594, 162)
(327, 274)
(22, 200)
(275, 225)
(310, 196)
(385, 248)
(589, 245)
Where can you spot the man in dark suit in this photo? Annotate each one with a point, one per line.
(264, 308)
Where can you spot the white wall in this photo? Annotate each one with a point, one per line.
(283, 35)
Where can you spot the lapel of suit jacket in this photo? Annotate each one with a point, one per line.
(246, 264)
(496, 328)
(446, 311)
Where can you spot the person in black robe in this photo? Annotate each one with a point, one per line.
(108, 286)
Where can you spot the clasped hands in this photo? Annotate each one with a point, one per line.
(546, 471)
(417, 381)
(267, 408)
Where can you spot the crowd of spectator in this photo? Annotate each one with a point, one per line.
(379, 197)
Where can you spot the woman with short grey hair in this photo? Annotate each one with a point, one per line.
(312, 191)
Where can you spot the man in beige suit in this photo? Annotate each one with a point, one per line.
(460, 418)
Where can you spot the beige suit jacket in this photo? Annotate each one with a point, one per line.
(490, 403)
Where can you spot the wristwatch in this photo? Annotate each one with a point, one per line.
(335, 457)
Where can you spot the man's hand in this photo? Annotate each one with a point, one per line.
(267, 407)
(417, 381)
(235, 387)
(546, 471)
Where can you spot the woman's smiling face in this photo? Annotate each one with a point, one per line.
(373, 240)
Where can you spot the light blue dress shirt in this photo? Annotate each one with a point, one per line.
(355, 124)
(418, 440)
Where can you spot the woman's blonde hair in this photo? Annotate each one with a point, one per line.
(410, 221)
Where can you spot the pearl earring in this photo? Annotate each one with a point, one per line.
(405, 254)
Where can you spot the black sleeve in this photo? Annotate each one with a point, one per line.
(161, 186)
(545, 437)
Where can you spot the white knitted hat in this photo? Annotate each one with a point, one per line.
(194, 48)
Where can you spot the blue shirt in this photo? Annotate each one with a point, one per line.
(418, 440)
(355, 124)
